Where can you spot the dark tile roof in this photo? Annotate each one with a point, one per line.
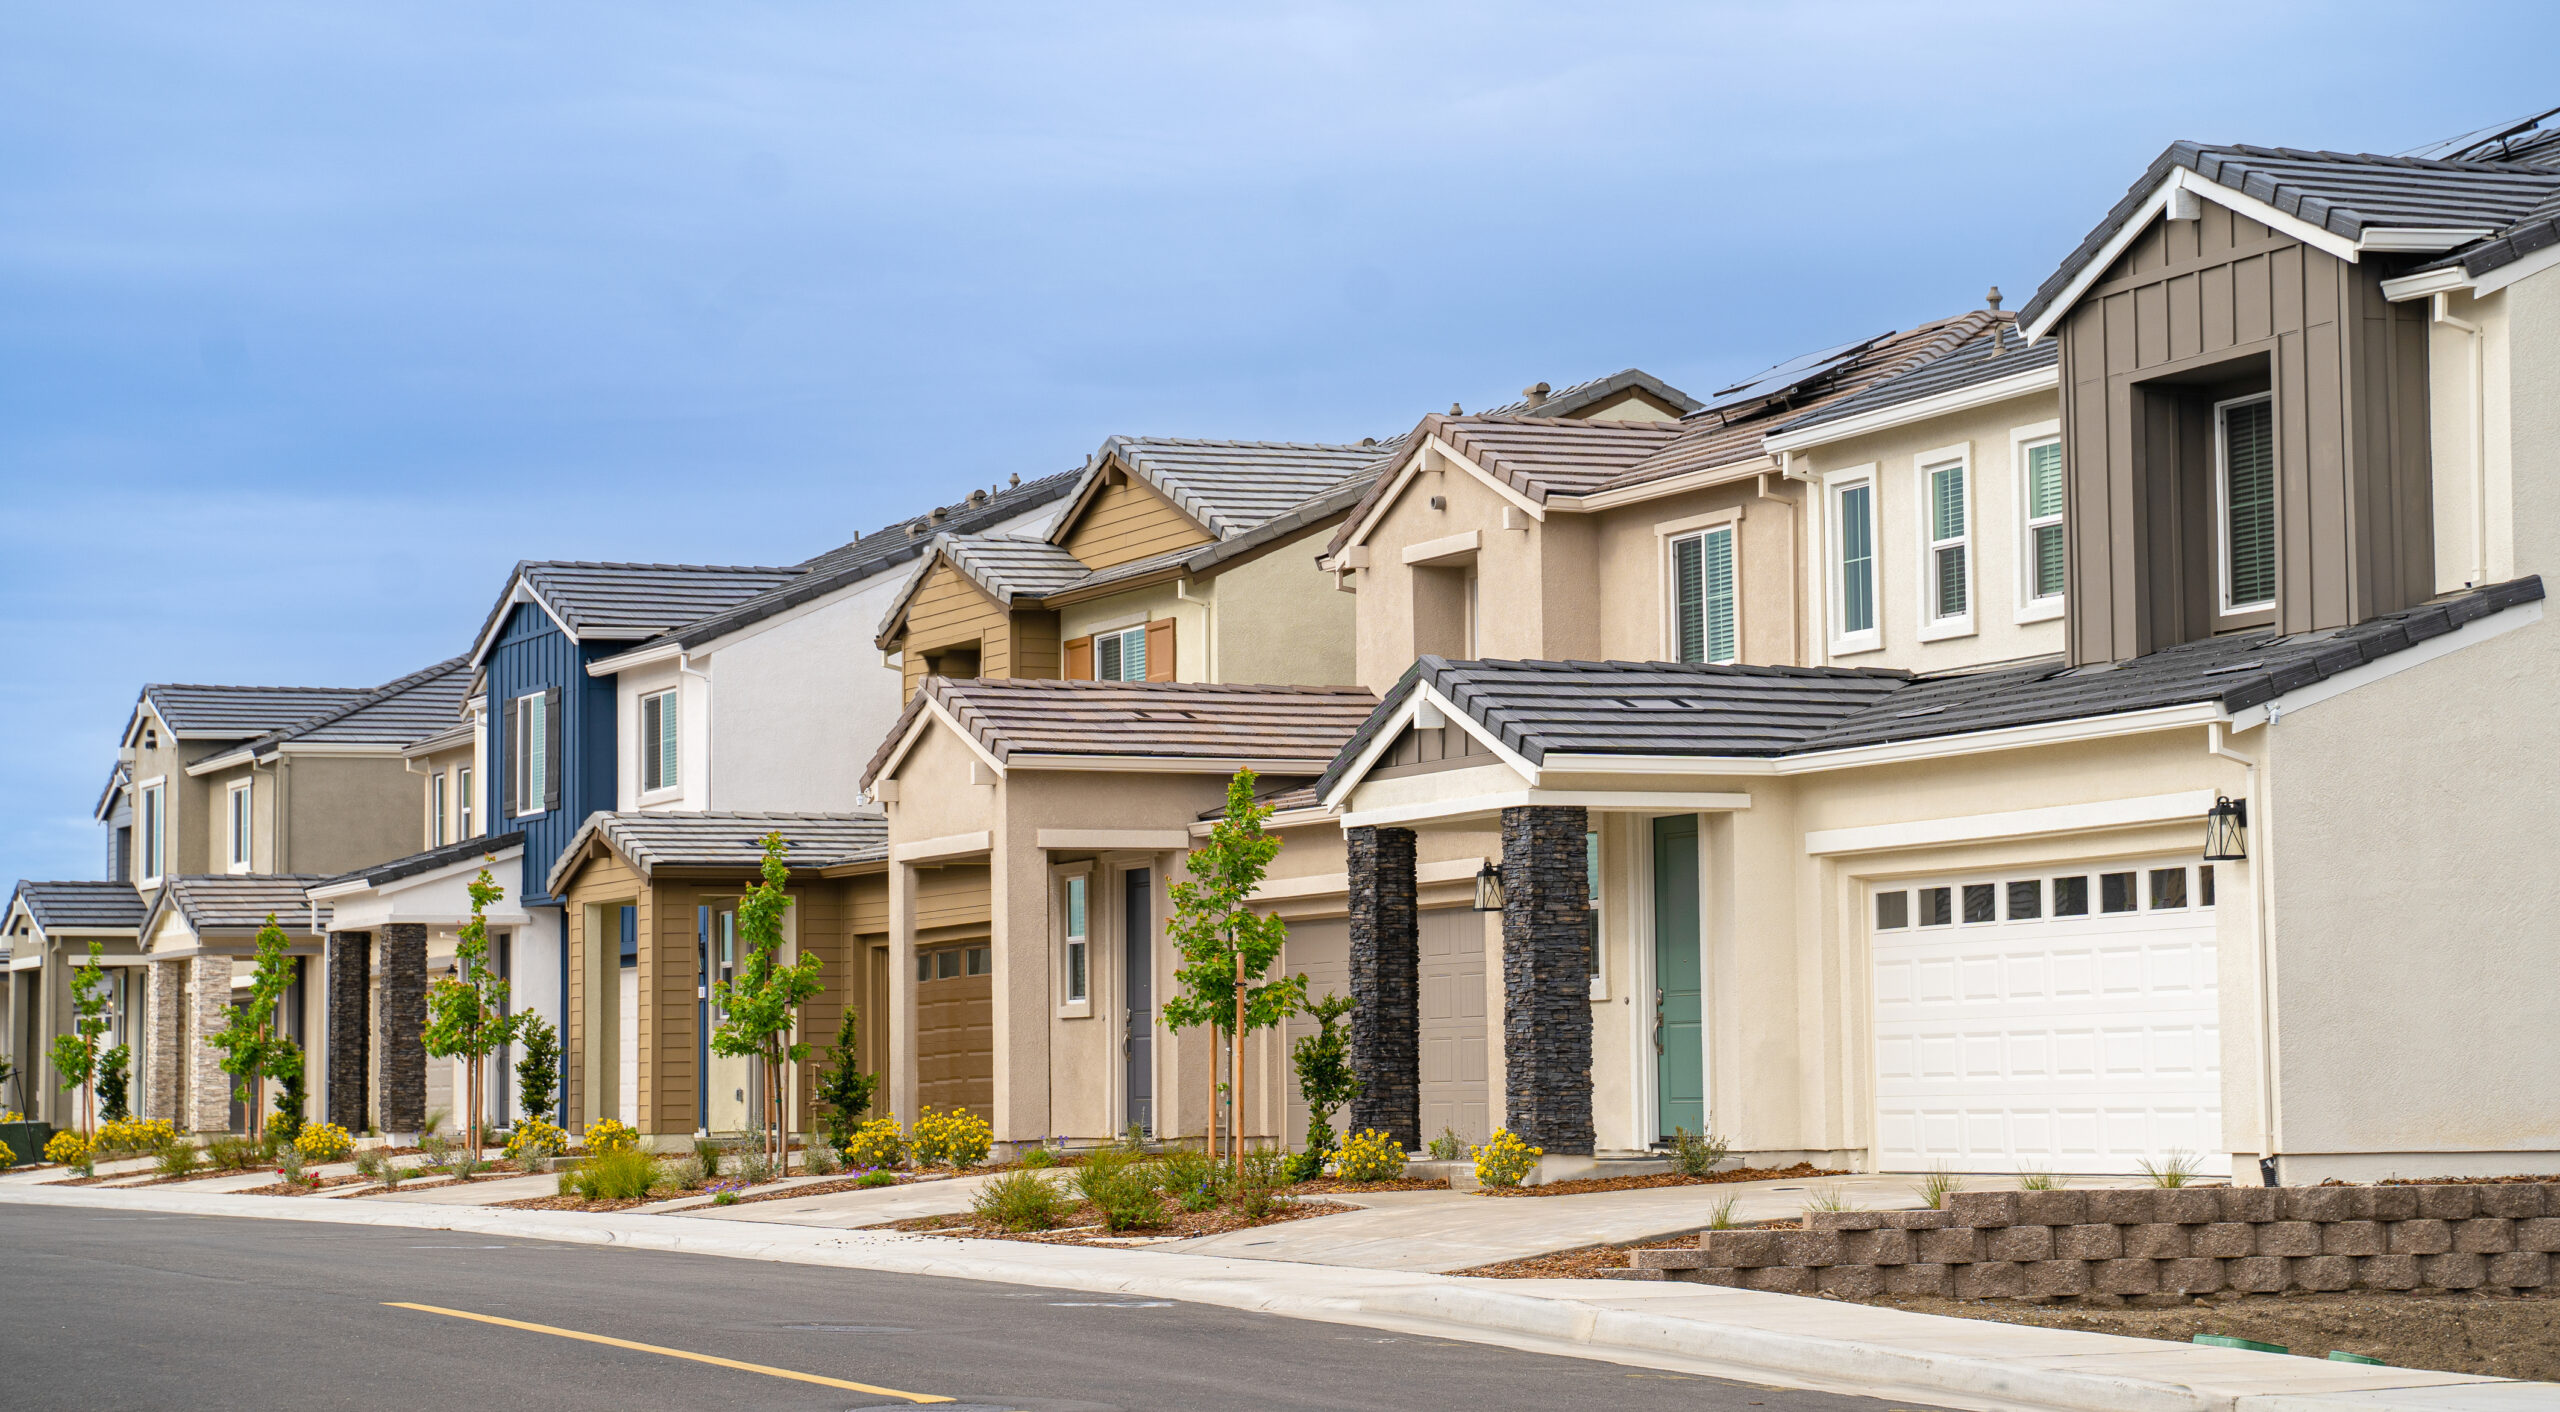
(1277, 728)
(1582, 396)
(2345, 193)
(395, 713)
(1658, 708)
(1280, 801)
(81, 906)
(242, 902)
(654, 841)
(894, 544)
(1009, 568)
(242, 712)
(629, 601)
(1982, 359)
(1231, 487)
(427, 862)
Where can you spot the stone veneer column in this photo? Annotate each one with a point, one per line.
(1386, 981)
(350, 1027)
(403, 1027)
(208, 1011)
(167, 1009)
(1546, 978)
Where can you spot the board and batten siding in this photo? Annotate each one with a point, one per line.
(2186, 303)
(949, 611)
(532, 654)
(1125, 521)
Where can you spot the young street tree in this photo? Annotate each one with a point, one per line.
(762, 1005)
(1226, 946)
(248, 1041)
(1325, 1079)
(467, 1010)
(537, 1065)
(75, 1055)
(843, 1089)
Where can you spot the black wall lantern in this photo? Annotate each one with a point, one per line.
(2226, 830)
(1489, 888)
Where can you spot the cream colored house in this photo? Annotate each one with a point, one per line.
(45, 935)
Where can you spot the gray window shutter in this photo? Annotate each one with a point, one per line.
(649, 771)
(508, 766)
(551, 748)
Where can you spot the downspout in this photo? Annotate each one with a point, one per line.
(684, 668)
(1209, 619)
(2261, 954)
(2441, 313)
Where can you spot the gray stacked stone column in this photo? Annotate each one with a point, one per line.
(403, 1027)
(1546, 978)
(1386, 981)
(350, 1027)
(209, 1012)
(168, 1013)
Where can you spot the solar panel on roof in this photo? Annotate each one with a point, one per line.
(1790, 373)
(2469, 146)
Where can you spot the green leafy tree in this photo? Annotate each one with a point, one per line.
(467, 1010)
(248, 1040)
(1226, 946)
(843, 1089)
(75, 1055)
(1325, 1079)
(285, 1066)
(761, 1007)
(115, 1084)
(537, 1065)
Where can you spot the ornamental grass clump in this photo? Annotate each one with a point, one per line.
(1936, 1185)
(2037, 1179)
(1505, 1161)
(624, 1174)
(177, 1158)
(1190, 1178)
(953, 1138)
(1258, 1186)
(875, 1179)
(878, 1143)
(821, 1160)
(324, 1142)
(683, 1173)
(756, 1167)
(1696, 1154)
(1448, 1146)
(1370, 1155)
(709, 1153)
(1122, 1188)
(612, 1135)
(2176, 1169)
(376, 1165)
(1019, 1201)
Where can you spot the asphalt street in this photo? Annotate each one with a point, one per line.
(112, 1310)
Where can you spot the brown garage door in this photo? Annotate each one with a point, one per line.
(956, 1028)
(1455, 1084)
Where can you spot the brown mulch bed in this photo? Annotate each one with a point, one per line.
(198, 1175)
(572, 1203)
(1590, 1262)
(1738, 1174)
(1330, 1186)
(302, 1188)
(2506, 1336)
(1082, 1224)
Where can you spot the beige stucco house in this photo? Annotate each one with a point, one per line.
(45, 935)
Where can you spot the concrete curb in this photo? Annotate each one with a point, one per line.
(1738, 1334)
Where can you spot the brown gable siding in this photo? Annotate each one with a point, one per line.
(1125, 521)
(605, 879)
(949, 611)
(2197, 310)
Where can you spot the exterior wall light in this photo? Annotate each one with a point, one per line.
(1489, 888)
(2226, 830)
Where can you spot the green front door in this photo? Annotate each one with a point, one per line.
(1679, 1037)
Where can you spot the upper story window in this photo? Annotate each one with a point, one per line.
(2041, 552)
(1120, 656)
(530, 769)
(1853, 568)
(1704, 607)
(2245, 492)
(151, 808)
(658, 733)
(436, 835)
(1078, 980)
(1947, 579)
(237, 807)
(462, 807)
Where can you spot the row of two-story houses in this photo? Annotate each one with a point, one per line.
(2041, 741)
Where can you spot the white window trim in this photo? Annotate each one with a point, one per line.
(1668, 534)
(240, 841)
(2032, 609)
(439, 813)
(151, 818)
(464, 776)
(1138, 629)
(1834, 590)
(1069, 1009)
(2222, 513)
(531, 785)
(1932, 627)
(1598, 835)
(640, 719)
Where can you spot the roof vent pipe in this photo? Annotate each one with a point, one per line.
(1016, 481)
(1536, 393)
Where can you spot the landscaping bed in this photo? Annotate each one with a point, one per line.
(1586, 1185)
(1325, 1186)
(302, 1188)
(1083, 1224)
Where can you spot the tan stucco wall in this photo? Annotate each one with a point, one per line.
(344, 812)
(1280, 619)
(1633, 569)
(1511, 567)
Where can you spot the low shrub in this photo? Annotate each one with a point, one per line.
(7, 1157)
(1305, 1166)
(712, 1153)
(71, 1150)
(612, 1135)
(684, 1173)
(875, 1179)
(1019, 1201)
(1448, 1146)
(821, 1160)
(534, 1142)
(952, 1138)
(178, 1158)
(324, 1142)
(726, 1198)
(1696, 1154)
(1190, 1177)
(376, 1165)
(231, 1153)
(1505, 1161)
(1039, 1157)
(879, 1142)
(1258, 1186)
(1122, 1187)
(121, 1136)
(291, 1167)
(622, 1174)
(1369, 1156)
(756, 1167)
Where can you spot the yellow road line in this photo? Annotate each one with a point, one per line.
(669, 1352)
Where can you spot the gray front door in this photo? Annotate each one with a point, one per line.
(1679, 1036)
(1138, 973)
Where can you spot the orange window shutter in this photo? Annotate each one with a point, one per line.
(1080, 658)
(1160, 650)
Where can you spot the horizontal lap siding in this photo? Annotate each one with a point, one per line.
(957, 896)
(670, 971)
(1127, 522)
(604, 880)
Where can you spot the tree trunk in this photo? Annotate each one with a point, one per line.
(1235, 1067)
(1212, 1067)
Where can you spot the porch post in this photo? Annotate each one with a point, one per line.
(167, 1013)
(1546, 978)
(208, 1087)
(350, 1027)
(1386, 981)
(404, 1024)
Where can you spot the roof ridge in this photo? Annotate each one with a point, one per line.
(239, 686)
(1211, 441)
(674, 568)
(2378, 159)
(1542, 664)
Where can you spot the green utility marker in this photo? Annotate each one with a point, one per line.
(2340, 1355)
(2227, 1341)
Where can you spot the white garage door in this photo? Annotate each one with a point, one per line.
(2063, 1020)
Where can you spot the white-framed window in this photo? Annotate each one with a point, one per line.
(1120, 655)
(1853, 569)
(462, 801)
(236, 808)
(2043, 553)
(1075, 978)
(2244, 498)
(436, 835)
(151, 835)
(1591, 875)
(1946, 528)
(1706, 603)
(529, 754)
(658, 733)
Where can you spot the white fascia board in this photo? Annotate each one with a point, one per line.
(933, 712)
(518, 591)
(2426, 284)
(1894, 752)
(1920, 409)
(2422, 239)
(1164, 764)
(355, 887)
(2540, 260)
(958, 845)
(2182, 806)
(1423, 698)
(201, 768)
(1485, 805)
(2470, 634)
(609, 666)
(1447, 870)
(2181, 179)
(1667, 487)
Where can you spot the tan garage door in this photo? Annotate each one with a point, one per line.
(1456, 1086)
(956, 1028)
(1320, 951)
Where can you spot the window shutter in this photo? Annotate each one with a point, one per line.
(1720, 597)
(1160, 650)
(649, 742)
(511, 741)
(670, 731)
(551, 748)
(1687, 600)
(2249, 460)
(1080, 658)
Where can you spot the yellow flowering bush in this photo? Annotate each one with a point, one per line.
(1369, 1156)
(7, 1158)
(535, 1138)
(68, 1148)
(956, 1138)
(878, 1143)
(324, 1142)
(11, 1115)
(612, 1135)
(1506, 1160)
(135, 1135)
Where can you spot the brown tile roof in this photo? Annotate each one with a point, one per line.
(1276, 729)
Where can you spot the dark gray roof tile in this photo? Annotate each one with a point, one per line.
(1984, 359)
(81, 906)
(243, 712)
(234, 902)
(427, 862)
(1283, 728)
(727, 840)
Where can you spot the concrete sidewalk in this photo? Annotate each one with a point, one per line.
(1769, 1338)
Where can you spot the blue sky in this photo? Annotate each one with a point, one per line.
(318, 317)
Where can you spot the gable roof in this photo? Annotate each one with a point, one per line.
(81, 906)
(613, 602)
(198, 712)
(464, 851)
(652, 841)
(395, 713)
(1996, 356)
(1276, 729)
(1583, 396)
(214, 902)
(1228, 487)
